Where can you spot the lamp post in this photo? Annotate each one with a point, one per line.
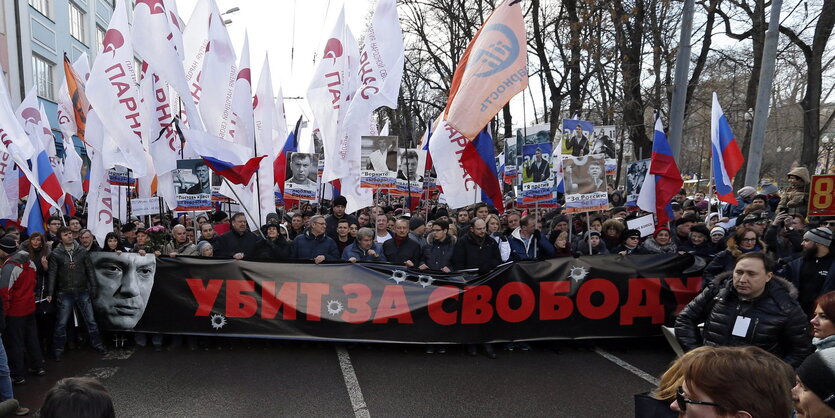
(227, 22)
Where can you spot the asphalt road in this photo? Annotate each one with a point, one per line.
(269, 378)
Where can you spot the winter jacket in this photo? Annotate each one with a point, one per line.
(277, 249)
(420, 240)
(783, 245)
(70, 271)
(650, 246)
(472, 252)
(796, 198)
(704, 250)
(437, 255)
(185, 249)
(792, 273)
(407, 250)
(778, 324)
(18, 278)
(354, 250)
(309, 246)
(537, 248)
(331, 222)
(725, 260)
(232, 243)
(600, 249)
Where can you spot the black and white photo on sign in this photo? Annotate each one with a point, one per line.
(379, 153)
(193, 177)
(411, 163)
(635, 173)
(603, 141)
(115, 272)
(584, 174)
(302, 169)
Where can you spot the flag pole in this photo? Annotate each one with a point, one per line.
(588, 229)
(240, 202)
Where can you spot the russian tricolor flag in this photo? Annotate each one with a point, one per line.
(479, 159)
(727, 158)
(232, 161)
(663, 179)
(280, 163)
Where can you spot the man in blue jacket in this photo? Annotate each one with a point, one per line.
(314, 245)
(364, 248)
(527, 243)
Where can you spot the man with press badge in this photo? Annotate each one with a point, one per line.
(748, 306)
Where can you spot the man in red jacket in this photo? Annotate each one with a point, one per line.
(17, 291)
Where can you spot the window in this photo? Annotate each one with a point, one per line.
(77, 23)
(42, 73)
(99, 38)
(41, 6)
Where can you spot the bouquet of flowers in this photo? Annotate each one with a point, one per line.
(157, 237)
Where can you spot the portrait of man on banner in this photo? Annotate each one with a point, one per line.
(410, 174)
(636, 171)
(537, 172)
(193, 183)
(379, 162)
(124, 282)
(576, 137)
(301, 176)
(585, 183)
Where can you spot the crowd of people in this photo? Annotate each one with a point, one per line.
(766, 264)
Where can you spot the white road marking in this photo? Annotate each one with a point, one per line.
(634, 370)
(352, 384)
(101, 373)
(119, 354)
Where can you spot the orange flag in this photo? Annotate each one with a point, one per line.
(492, 70)
(75, 87)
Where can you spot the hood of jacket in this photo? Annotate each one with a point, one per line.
(20, 257)
(801, 172)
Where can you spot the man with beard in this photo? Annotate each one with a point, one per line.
(813, 273)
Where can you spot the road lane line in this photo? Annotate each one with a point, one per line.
(119, 354)
(351, 383)
(101, 373)
(632, 369)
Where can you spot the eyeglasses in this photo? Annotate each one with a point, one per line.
(682, 402)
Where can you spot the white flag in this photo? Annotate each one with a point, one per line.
(99, 203)
(242, 103)
(158, 46)
(112, 92)
(217, 78)
(264, 114)
(195, 41)
(379, 74)
(333, 83)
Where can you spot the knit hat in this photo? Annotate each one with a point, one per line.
(618, 209)
(746, 191)
(340, 201)
(717, 230)
(592, 232)
(416, 222)
(767, 188)
(441, 212)
(272, 218)
(686, 219)
(557, 219)
(659, 229)
(8, 245)
(820, 235)
(700, 228)
(818, 375)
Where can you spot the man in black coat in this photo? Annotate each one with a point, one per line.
(401, 249)
(476, 250)
(748, 306)
(338, 214)
(239, 242)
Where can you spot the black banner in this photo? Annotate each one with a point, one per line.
(597, 296)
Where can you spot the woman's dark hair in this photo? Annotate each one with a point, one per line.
(107, 237)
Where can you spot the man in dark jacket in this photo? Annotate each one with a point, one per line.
(314, 244)
(439, 248)
(527, 243)
(401, 249)
(71, 281)
(239, 242)
(338, 214)
(813, 273)
(476, 250)
(748, 307)
(275, 245)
